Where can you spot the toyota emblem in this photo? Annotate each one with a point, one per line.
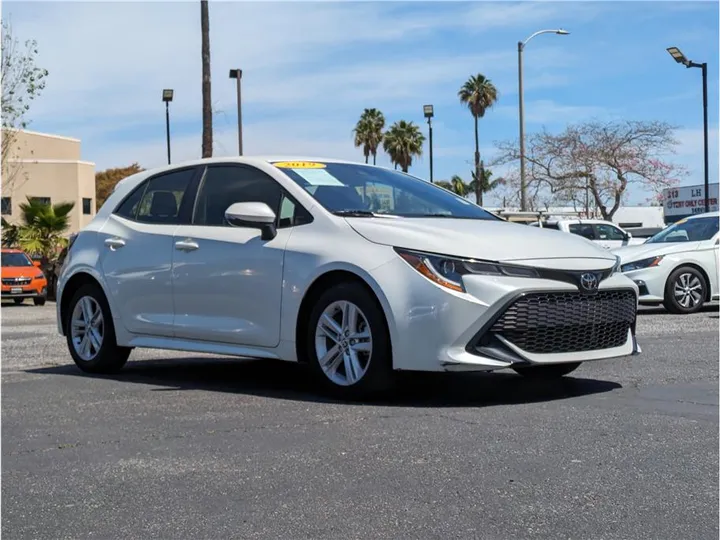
(589, 282)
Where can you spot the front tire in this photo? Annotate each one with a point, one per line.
(90, 332)
(18, 301)
(39, 301)
(685, 291)
(348, 343)
(552, 371)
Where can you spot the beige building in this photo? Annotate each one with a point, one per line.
(47, 167)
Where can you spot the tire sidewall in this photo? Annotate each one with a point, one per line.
(378, 376)
(109, 358)
(671, 303)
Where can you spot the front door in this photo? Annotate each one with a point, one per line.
(227, 280)
(609, 237)
(136, 249)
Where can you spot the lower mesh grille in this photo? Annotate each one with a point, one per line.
(558, 322)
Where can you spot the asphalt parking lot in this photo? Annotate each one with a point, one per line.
(202, 447)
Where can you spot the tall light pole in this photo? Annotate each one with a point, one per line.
(521, 47)
(237, 74)
(681, 59)
(167, 97)
(429, 113)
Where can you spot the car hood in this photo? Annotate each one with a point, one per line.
(18, 271)
(479, 239)
(645, 251)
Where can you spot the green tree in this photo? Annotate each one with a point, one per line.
(105, 181)
(456, 184)
(487, 184)
(402, 142)
(478, 94)
(42, 226)
(369, 132)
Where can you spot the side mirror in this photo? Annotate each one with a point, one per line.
(628, 235)
(256, 215)
(37, 264)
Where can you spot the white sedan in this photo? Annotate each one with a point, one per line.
(677, 267)
(353, 269)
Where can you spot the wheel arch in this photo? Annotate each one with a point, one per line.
(69, 289)
(321, 284)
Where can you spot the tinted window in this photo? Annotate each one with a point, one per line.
(159, 202)
(6, 206)
(292, 214)
(350, 187)
(553, 226)
(87, 206)
(608, 232)
(225, 185)
(582, 229)
(690, 230)
(41, 200)
(15, 259)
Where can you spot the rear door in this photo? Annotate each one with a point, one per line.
(136, 249)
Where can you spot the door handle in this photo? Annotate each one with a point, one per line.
(114, 243)
(186, 245)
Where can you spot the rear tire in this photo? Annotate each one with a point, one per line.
(93, 346)
(348, 343)
(553, 371)
(685, 291)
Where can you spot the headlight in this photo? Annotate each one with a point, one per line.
(644, 263)
(448, 271)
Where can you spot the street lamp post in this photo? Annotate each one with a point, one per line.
(237, 74)
(521, 47)
(167, 97)
(429, 113)
(680, 58)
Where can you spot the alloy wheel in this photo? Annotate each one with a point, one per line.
(87, 328)
(343, 343)
(688, 290)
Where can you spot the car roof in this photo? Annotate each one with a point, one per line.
(704, 215)
(12, 250)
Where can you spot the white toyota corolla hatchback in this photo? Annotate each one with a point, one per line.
(353, 269)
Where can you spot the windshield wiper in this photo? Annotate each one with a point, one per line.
(354, 213)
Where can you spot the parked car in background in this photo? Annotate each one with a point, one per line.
(603, 233)
(352, 269)
(22, 278)
(678, 267)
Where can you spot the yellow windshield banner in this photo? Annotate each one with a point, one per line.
(299, 165)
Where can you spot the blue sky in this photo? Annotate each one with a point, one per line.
(310, 68)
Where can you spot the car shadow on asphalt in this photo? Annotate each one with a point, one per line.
(660, 310)
(290, 381)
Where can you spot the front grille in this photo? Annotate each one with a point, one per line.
(559, 322)
(16, 281)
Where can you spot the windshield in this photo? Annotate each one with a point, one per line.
(15, 259)
(688, 230)
(364, 190)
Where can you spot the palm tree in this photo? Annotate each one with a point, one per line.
(486, 184)
(369, 132)
(402, 142)
(479, 94)
(207, 130)
(42, 226)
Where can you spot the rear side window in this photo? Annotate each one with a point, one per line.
(583, 229)
(160, 199)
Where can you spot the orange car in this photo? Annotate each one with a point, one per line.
(21, 278)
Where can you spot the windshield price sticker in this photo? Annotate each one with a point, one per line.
(299, 165)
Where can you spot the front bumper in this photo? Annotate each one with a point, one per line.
(435, 329)
(25, 291)
(650, 283)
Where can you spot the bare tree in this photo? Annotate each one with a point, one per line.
(207, 129)
(595, 163)
(22, 82)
